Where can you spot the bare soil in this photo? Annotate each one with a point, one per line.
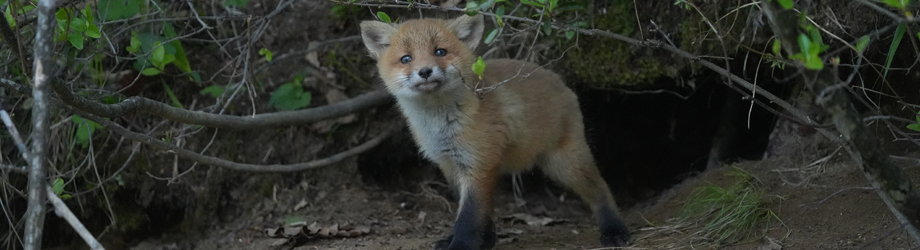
(823, 201)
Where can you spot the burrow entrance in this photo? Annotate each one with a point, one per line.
(643, 141)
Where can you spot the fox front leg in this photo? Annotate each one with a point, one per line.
(474, 228)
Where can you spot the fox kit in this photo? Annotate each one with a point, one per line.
(531, 118)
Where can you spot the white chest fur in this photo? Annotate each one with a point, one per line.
(438, 124)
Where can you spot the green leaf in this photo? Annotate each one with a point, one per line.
(85, 129)
(777, 46)
(491, 36)
(814, 63)
(547, 28)
(862, 43)
(787, 4)
(62, 14)
(87, 13)
(76, 40)
(159, 52)
(213, 90)
(914, 127)
(181, 61)
(110, 99)
(485, 5)
(898, 35)
(552, 5)
(569, 34)
(237, 3)
(195, 76)
(815, 35)
(135, 46)
(267, 53)
(472, 8)
(57, 186)
(809, 53)
(78, 25)
(150, 41)
(567, 6)
(290, 96)
(383, 17)
(111, 10)
(479, 67)
(532, 3)
(172, 97)
(168, 58)
(900, 4)
(499, 13)
(150, 71)
(9, 17)
(93, 31)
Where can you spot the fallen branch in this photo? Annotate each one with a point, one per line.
(282, 118)
(62, 211)
(214, 161)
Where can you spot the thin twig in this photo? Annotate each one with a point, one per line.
(62, 211)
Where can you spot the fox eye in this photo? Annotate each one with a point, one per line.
(440, 52)
(405, 59)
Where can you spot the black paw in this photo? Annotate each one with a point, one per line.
(443, 244)
(489, 237)
(488, 242)
(616, 237)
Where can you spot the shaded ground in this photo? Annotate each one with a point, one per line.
(825, 203)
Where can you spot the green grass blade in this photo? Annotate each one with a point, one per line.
(898, 34)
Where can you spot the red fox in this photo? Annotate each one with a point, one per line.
(529, 118)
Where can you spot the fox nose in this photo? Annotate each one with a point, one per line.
(425, 72)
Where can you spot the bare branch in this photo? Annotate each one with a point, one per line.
(43, 68)
(62, 211)
(214, 161)
(283, 118)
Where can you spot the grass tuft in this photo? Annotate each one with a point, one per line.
(728, 215)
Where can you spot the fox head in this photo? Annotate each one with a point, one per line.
(424, 56)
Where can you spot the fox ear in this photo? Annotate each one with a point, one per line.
(376, 36)
(468, 29)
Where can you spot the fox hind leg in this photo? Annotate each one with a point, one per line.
(572, 166)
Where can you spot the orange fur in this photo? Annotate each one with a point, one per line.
(531, 118)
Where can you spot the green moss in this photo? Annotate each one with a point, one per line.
(602, 62)
(698, 38)
(130, 215)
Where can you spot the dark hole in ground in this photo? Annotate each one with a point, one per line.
(643, 143)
